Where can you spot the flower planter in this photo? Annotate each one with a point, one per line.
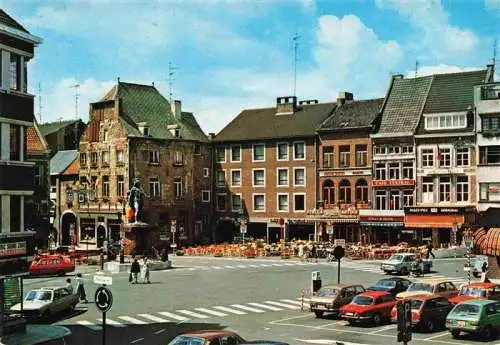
(284, 257)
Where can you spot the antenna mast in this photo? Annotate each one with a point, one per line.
(416, 68)
(77, 96)
(295, 39)
(40, 102)
(171, 72)
(494, 52)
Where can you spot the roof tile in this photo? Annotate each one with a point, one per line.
(353, 114)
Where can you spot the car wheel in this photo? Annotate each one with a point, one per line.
(61, 273)
(72, 307)
(403, 271)
(376, 319)
(318, 313)
(485, 333)
(455, 333)
(350, 322)
(430, 326)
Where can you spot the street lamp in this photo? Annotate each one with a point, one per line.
(173, 230)
(468, 239)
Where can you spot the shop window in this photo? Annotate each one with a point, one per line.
(328, 157)
(394, 171)
(381, 200)
(427, 190)
(345, 192)
(361, 155)
(380, 171)
(408, 170)
(444, 189)
(344, 156)
(362, 191)
(395, 201)
(444, 157)
(328, 192)
(427, 158)
(489, 155)
(408, 198)
(462, 188)
(463, 157)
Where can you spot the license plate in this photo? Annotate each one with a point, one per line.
(461, 323)
(321, 307)
(349, 314)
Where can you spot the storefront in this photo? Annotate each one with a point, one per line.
(95, 229)
(438, 225)
(16, 252)
(335, 223)
(381, 226)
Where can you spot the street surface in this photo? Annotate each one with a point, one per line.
(257, 298)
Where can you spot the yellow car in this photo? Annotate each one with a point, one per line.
(440, 287)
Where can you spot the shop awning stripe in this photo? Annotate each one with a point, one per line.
(387, 224)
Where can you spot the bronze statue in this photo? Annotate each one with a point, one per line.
(135, 199)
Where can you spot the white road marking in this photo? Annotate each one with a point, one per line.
(437, 336)
(260, 305)
(283, 305)
(159, 331)
(193, 314)
(244, 307)
(265, 265)
(153, 318)
(132, 320)
(253, 265)
(277, 265)
(291, 301)
(191, 269)
(241, 266)
(385, 328)
(211, 312)
(217, 267)
(229, 266)
(90, 325)
(136, 340)
(230, 310)
(113, 323)
(173, 316)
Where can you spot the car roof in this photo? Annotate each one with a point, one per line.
(375, 294)
(479, 301)
(481, 285)
(208, 334)
(424, 297)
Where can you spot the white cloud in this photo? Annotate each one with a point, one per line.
(439, 69)
(429, 16)
(493, 5)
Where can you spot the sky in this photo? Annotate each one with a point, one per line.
(230, 55)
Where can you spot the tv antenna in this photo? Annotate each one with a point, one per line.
(77, 96)
(295, 40)
(416, 68)
(171, 73)
(40, 102)
(494, 52)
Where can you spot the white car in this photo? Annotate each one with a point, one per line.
(44, 302)
(401, 264)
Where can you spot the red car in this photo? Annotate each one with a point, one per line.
(477, 291)
(369, 306)
(208, 337)
(51, 265)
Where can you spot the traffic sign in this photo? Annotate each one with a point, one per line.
(339, 242)
(329, 229)
(338, 252)
(103, 299)
(105, 280)
(172, 228)
(243, 229)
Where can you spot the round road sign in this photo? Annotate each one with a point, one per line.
(338, 252)
(103, 299)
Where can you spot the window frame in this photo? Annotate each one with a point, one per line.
(217, 195)
(203, 191)
(445, 154)
(295, 204)
(232, 180)
(406, 169)
(362, 153)
(253, 152)
(231, 153)
(294, 176)
(294, 152)
(154, 156)
(278, 202)
(278, 184)
(461, 156)
(233, 209)
(281, 143)
(105, 186)
(217, 184)
(425, 153)
(444, 192)
(217, 156)
(178, 188)
(206, 172)
(381, 194)
(254, 203)
(327, 156)
(459, 189)
(343, 155)
(440, 118)
(253, 178)
(394, 169)
(154, 184)
(381, 169)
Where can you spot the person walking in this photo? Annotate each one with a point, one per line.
(145, 271)
(80, 288)
(135, 268)
(484, 270)
(429, 251)
(69, 285)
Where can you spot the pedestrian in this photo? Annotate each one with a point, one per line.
(313, 253)
(429, 251)
(69, 285)
(164, 255)
(484, 270)
(80, 288)
(145, 271)
(134, 270)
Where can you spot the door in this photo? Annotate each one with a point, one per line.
(101, 236)
(427, 190)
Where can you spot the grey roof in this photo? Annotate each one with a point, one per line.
(257, 124)
(353, 114)
(404, 103)
(5, 19)
(144, 103)
(61, 160)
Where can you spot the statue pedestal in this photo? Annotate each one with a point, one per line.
(139, 237)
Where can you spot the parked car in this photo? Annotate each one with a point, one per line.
(207, 337)
(394, 285)
(477, 291)
(401, 263)
(369, 306)
(439, 287)
(265, 342)
(481, 317)
(44, 302)
(428, 312)
(331, 297)
(51, 265)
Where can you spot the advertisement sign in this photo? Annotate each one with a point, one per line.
(339, 243)
(393, 183)
(438, 210)
(12, 249)
(329, 229)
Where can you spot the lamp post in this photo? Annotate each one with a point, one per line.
(173, 230)
(468, 241)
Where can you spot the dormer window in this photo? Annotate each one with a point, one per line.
(144, 129)
(174, 130)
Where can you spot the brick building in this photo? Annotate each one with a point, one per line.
(265, 170)
(345, 167)
(134, 132)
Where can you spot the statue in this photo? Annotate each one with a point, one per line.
(135, 200)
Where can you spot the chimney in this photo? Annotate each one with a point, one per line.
(211, 136)
(286, 105)
(397, 76)
(343, 97)
(176, 108)
(490, 72)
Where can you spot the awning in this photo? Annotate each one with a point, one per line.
(329, 220)
(384, 224)
(445, 221)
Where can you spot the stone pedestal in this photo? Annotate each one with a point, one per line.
(115, 267)
(139, 238)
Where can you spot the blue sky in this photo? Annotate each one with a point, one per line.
(236, 54)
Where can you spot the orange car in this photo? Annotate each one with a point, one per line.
(443, 288)
(477, 291)
(51, 265)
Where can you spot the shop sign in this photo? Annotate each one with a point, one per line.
(12, 249)
(438, 210)
(335, 211)
(384, 219)
(393, 183)
(494, 189)
(341, 173)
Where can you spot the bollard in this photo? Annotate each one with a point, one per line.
(302, 300)
(315, 281)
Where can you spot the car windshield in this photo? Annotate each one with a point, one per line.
(39, 296)
(465, 309)
(396, 257)
(472, 291)
(185, 340)
(421, 287)
(416, 303)
(362, 300)
(386, 283)
(325, 291)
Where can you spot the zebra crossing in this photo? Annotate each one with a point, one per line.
(199, 313)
